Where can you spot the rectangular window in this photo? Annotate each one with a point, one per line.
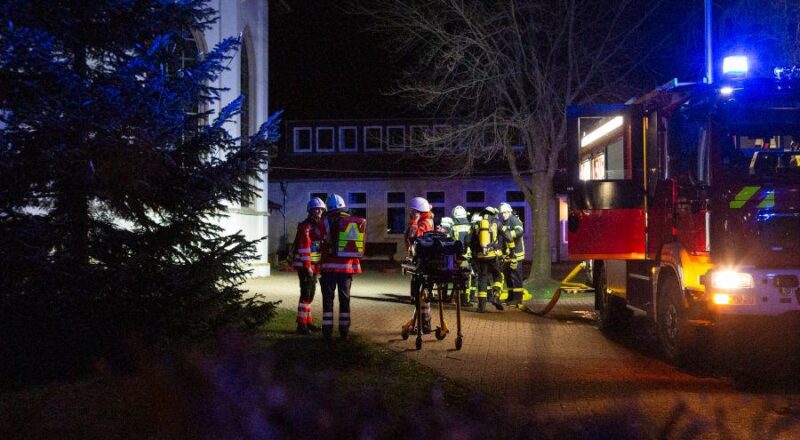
(357, 204)
(435, 197)
(438, 213)
(357, 198)
(396, 137)
(602, 148)
(373, 138)
(419, 135)
(515, 197)
(395, 197)
(476, 197)
(325, 139)
(395, 220)
(301, 139)
(442, 134)
(348, 139)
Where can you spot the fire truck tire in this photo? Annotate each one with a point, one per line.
(675, 334)
(613, 315)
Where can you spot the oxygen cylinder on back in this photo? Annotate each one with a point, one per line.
(484, 235)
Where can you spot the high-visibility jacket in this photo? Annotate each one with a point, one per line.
(340, 252)
(461, 231)
(308, 245)
(484, 241)
(418, 227)
(511, 234)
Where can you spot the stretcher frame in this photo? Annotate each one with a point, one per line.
(433, 288)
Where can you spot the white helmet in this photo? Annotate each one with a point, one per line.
(505, 207)
(419, 204)
(475, 218)
(459, 212)
(335, 201)
(446, 222)
(315, 202)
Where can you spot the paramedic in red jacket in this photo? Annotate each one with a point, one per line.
(307, 257)
(344, 246)
(420, 221)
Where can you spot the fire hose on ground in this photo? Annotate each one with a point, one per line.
(566, 284)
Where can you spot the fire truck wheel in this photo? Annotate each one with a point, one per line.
(613, 315)
(674, 332)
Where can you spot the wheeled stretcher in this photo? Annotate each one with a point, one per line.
(438, 276)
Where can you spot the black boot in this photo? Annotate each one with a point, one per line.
(302, 329)
(496, 303)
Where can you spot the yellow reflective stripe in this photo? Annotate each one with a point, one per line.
(744, 195)
(769, 200)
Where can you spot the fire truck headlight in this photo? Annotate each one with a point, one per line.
(726, 91)
(721, 298)
(728, 279)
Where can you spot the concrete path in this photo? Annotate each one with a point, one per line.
(561, 367)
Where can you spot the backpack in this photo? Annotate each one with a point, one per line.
(347, 237)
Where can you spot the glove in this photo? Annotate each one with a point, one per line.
(310, 271)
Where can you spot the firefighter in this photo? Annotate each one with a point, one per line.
(461, 232)
(343, 249)
(511, 235)
(307, 244)
(446, 226)
(420, 222)
(485, 250)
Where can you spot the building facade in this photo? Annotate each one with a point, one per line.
(370, 164)
(247, 75)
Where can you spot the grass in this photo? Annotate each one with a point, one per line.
(276, 385)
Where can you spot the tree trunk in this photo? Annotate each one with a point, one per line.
(541, 203)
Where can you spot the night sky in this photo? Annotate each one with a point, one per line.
(324, 65)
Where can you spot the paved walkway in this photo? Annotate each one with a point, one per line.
(560, 367)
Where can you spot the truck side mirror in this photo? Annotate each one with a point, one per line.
(572, 222)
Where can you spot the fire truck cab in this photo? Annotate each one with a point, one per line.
(687, 203)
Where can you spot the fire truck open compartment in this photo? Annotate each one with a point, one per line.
(606, 195)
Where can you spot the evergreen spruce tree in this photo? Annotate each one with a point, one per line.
(112, 179)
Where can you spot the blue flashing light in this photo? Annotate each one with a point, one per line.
(735, 65)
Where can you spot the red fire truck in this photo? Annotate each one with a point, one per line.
(687, 203)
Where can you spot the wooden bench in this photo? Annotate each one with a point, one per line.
(380, 249)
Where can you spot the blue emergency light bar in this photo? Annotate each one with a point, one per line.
(735, 65)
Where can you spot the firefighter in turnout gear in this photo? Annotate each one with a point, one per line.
(485, 250)
(341, 259)
(461, 232)
(511, 236)
(420, 222)
(307, 256)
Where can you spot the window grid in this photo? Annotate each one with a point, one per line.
(297, 135)
(321, 132)
(371, 134)
(395, 212)
(396, 137)
(358, 209)
(343, 135)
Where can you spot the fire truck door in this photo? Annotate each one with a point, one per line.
(606, 172)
